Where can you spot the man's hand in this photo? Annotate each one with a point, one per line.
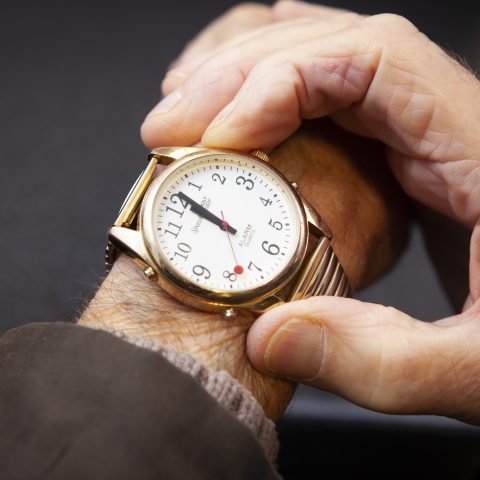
(381, 78)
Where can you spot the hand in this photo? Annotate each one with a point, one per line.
(381, 78)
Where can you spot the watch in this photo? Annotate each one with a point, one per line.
(225, 231)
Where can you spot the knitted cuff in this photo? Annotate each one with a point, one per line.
(230, 393)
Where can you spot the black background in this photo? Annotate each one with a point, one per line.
(76, 79)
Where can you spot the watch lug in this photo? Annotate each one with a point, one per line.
(316, 224)
(131, 205)
(167, 155)
(131, 242)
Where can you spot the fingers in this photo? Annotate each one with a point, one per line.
(212, 86)
(298, 83)
(375, 356)
(321, 76)
(238, 25)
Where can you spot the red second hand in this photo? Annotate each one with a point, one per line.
(238, 269)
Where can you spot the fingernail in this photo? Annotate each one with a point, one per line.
(296, 350)
(168, 103)
(222, 115)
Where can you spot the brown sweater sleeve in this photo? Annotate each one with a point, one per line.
(227, 391)
(79, 403)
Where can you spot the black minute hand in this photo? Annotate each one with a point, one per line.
(203, 212)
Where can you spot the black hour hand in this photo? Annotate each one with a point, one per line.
(206, 214)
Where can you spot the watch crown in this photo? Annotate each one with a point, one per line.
(260, 154)
(294, 185)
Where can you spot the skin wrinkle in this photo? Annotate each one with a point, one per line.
(378, 383)
(339, 76)
(469, 389)
(431, 357)
(435, 194)
(383, 367)
(464, 197)
(299, 89)
(403, 384)
(407, 347)
(374, 64)
(412, 107)
(339, 70)
(459, 194)
(353, 388)
(472, 186)
(474, 265)
(459, 365)
(453, 367)
(385, 360)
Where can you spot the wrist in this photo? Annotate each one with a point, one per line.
(129, 303)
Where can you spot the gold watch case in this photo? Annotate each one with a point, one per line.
(134, 234)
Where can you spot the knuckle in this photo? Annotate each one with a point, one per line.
(246, 11)
(392, 21)
(351, 17)
(283, 7)
(169, 83)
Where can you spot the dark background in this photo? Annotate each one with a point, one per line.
(77, 78)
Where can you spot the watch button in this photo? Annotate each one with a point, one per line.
(150, 273)
(229, 314)
(294, 185)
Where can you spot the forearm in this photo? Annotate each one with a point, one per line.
(357, 210)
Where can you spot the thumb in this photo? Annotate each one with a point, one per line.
(373, 355)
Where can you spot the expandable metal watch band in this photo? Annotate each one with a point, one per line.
(322, 274)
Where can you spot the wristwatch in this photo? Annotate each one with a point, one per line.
(222, 230)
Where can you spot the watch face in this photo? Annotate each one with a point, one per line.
(225, 223)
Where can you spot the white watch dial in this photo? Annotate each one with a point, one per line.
(226, 222)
